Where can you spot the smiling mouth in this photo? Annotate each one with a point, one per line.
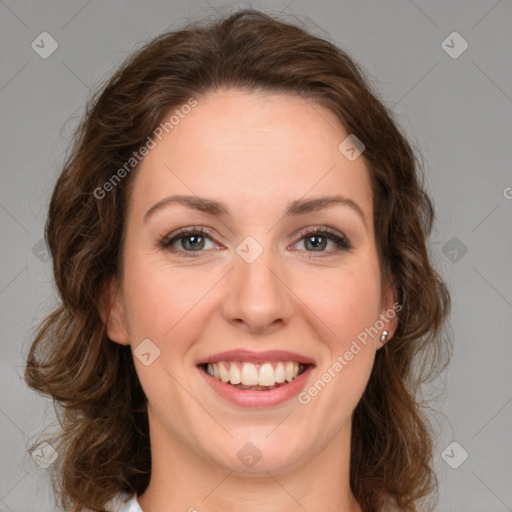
(255, 377)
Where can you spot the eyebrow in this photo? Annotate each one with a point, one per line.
(218, 209)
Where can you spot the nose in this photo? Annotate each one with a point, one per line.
(257, 296)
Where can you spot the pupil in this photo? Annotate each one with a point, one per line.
(315, 243)
(194, 239)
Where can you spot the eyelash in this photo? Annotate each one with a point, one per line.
(341, 241)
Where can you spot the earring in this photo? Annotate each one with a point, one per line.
(384, 336)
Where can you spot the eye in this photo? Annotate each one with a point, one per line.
(187, 241)
(318, 238)
(192, 239)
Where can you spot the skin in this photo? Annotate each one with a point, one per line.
(255, 152)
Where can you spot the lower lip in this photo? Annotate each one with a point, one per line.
(250, 398)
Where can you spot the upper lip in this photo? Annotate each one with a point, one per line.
(256, 357)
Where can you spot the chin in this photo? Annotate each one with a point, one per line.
(256, 453)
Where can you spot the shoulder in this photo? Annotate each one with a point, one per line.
(124, 502)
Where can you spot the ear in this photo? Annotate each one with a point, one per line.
(112, 312)
(389, 311)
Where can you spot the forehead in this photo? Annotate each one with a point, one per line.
(249, 148)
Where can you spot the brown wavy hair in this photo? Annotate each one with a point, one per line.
(103, 443)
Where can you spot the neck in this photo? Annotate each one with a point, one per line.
(184, 479)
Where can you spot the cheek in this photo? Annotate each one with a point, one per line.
(347, 309)
(164, 303)
(346, 300)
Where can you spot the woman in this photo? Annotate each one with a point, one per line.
(248, 309)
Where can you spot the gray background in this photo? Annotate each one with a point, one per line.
(456, 110)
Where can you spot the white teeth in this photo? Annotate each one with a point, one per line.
(266, 376)
(288, 371)
(280, 376)
(249, 374)
(234, 374)
(224, 374)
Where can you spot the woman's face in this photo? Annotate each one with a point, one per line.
(259, 293)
